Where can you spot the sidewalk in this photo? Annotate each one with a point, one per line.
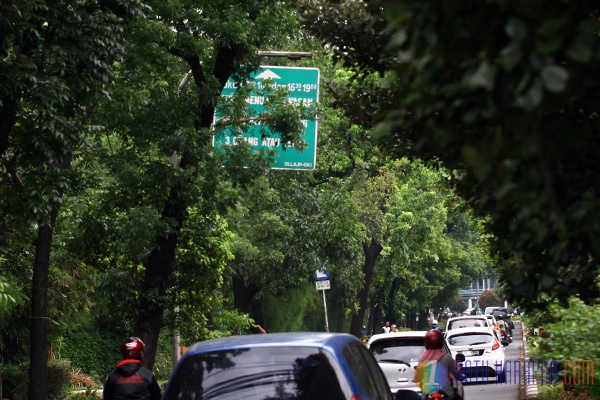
(529, 380)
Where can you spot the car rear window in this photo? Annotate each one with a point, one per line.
(402, 350)
(469, 339)
(466, 323)
(259, 373)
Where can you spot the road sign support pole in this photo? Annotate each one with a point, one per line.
(294, 56)
(325, 306)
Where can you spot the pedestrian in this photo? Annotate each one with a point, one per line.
(386, 328)
(394, 328)
(129, 379)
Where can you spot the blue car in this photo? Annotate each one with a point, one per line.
(283, 366)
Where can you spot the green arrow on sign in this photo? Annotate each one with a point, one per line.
(303, 86)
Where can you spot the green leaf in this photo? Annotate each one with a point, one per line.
(532, 98)
(485, 76)
(516, 29)
(555, 78)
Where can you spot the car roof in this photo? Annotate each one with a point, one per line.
(489, 310)
(324, 340)
(392, 335)
(467, 317)
(462, 331)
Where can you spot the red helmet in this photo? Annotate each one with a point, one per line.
(132, 347)
(434, 340)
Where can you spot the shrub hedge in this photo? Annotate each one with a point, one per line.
(15, 379)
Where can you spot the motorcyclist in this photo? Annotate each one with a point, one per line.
(129, 379)
(436, 370)
(504, 328)
(434, 325)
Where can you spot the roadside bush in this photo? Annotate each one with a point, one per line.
(163, 362)
(558, 392)
(59, 379)
(92, 352)
(16, 380)
(572, 337)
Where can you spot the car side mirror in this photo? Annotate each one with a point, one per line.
(460, 357)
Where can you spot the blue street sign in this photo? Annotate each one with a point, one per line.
(322, 274)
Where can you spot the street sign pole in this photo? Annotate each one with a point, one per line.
(325, 305)
(323, 283)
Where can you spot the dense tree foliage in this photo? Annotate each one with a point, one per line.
(49, 88)
(119, 216)
(574, 358)
(167, 131)
(432, 246)
(504, 94)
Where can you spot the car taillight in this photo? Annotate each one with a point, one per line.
(496, 326)
(355, 397)
(496, 345)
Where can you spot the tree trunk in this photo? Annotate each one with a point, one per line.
(376, 312)
(38, 371)
(243, 294)
(38, 356)
(372, 251)
(161, 262)
(158, 270)
(160, 266)
(340, 319)
(377, 319)
(422, 324)
(391, 312)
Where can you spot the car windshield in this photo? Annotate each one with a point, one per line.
(403, 350)
(259, 373)
(466, 323)
(469, 339)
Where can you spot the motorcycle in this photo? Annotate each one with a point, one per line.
(440, 395)
(410, 395)
(505, 338)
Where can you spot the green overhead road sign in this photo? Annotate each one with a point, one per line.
(303, 86)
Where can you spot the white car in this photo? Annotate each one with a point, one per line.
(475, 321)
(397, 354)
(467, 321)
(484, 354)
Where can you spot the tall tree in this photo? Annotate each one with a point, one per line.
(429, 253)
(502, 90)
(372, 194)
(177, 64)
(52, 88)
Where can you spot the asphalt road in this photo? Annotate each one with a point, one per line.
(504, 391)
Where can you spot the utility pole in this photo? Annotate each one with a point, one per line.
(294, 56)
